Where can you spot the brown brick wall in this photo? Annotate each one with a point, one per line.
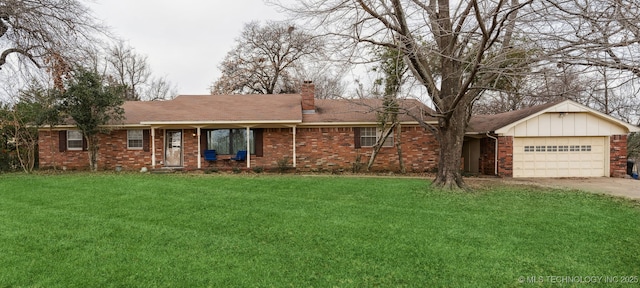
(618, 156)
(113, 151)
(505, 156)
(318, 149)
(335, 150)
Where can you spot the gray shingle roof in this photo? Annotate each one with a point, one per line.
(488, 123)
(258, 109)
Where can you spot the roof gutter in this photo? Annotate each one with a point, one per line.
(495, 161)
(352, 124)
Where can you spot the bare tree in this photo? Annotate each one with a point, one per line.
(550, 84)
(600, 39)
(129, 69)
(264, 60)
(590, 33)
(458, 50)
(327, 77)
(470, 40)
(46, 32)
(392, 70)
(159, 89)
(615, 95)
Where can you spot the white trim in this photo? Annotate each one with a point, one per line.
(607, 156)
(378, 136)
(69, 148)
(353, 124)
(252, 124)
(153, 147)
(199, 148)
(294, 146)
(248, 147)
(141, 139)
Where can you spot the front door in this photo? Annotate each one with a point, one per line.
(173, 148)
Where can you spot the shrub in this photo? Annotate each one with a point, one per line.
(211, 170)
(283, 165)
(8, 161)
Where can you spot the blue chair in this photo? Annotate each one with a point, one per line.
(210, 156)
(240, 156)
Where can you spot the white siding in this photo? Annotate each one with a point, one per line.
(564, 125)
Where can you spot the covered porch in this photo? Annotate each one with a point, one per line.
(183, 145)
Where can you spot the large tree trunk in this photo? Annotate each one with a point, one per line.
(450, 134)
(453, 103)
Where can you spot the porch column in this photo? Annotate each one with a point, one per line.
(294, 146)
(153, 148)
(199, 148)
(248, 147)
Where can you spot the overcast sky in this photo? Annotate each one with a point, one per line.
(183, 40)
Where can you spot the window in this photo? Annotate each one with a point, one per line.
(585, 148)
(134, 139)
(74, 140)
(369, 136)
(529, 149)
(230, 141)
(552, 148)
(540, 148)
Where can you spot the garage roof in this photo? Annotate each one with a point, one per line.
(500, 123)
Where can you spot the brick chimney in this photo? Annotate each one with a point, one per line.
(308, 95)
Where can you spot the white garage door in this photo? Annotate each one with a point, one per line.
(559, 157)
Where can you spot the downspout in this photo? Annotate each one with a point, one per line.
(495, 161)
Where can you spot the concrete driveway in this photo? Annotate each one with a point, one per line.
(621, 187)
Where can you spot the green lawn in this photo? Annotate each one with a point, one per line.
(130, 230)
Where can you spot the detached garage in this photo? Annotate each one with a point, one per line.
(564, 139)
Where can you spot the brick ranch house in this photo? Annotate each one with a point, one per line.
(311, 134)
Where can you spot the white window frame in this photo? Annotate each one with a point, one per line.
(367, 133)
(135, 135)
(75, 137)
